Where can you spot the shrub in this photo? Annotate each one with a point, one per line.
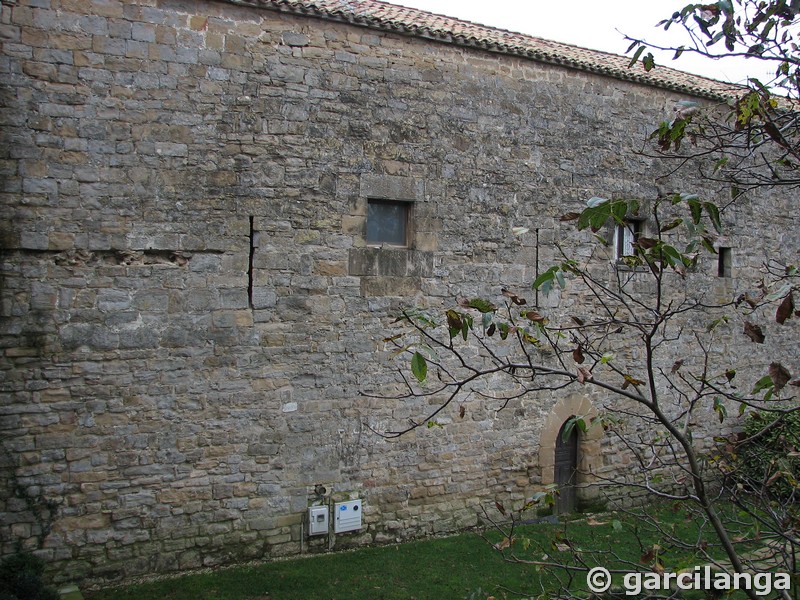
(771, 461)
(21, 579)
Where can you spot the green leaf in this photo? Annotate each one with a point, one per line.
(560, 278)
(616, 525)
(619, 210)
(713, 213)
(545, 281)
(716, 323)
(481, 305)
(697, 210)
(419, 367)
(567, 430)
(671, 256)
(649, 62)
(720, 409)
(672, 225)
(722, 162)
(636, 56)
(504, 330)
(596, 201)
(780, 293)
(764, 384)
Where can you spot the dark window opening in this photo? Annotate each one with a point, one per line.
(724, 266)
(388, 222)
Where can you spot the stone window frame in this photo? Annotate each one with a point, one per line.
(387, 269)
(391, 189)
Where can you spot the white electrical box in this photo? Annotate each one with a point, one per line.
(318, 520)
(347, 516)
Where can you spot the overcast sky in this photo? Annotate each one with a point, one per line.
(597, 24)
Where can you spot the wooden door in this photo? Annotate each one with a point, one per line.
(566, 467)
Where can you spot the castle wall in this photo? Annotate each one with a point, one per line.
(193, 323)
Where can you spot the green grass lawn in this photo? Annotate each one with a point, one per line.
(441, 568)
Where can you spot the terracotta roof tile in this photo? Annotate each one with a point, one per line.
(411, 21)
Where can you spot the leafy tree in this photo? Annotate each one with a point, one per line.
(664, 394)
(646, 337)
(752, 139)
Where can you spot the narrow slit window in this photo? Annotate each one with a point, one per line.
(388, 222)
(250, 262)
(724, 266)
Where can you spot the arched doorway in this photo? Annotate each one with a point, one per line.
(587, 446)
(566, 469)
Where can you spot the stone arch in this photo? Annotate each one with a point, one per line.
(588, 443)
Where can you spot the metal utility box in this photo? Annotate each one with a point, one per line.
(318, 520)
(347, 516)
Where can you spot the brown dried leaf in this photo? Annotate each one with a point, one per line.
(677, 365)
(562, 544)
(570, 216)
(577, 355)
(514, 298)
(500, 507)
(780, 376)
(750, 298)
(504, 543)
(462, 411)
(631, 381)
(785, 309)
(535, 316)
(777, 475)
(754, 332)
(646, 243)
(584, 375)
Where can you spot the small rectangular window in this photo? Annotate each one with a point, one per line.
(724, 266)
(388, 222)
(625, 235)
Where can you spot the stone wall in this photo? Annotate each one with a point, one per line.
(193, 323)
